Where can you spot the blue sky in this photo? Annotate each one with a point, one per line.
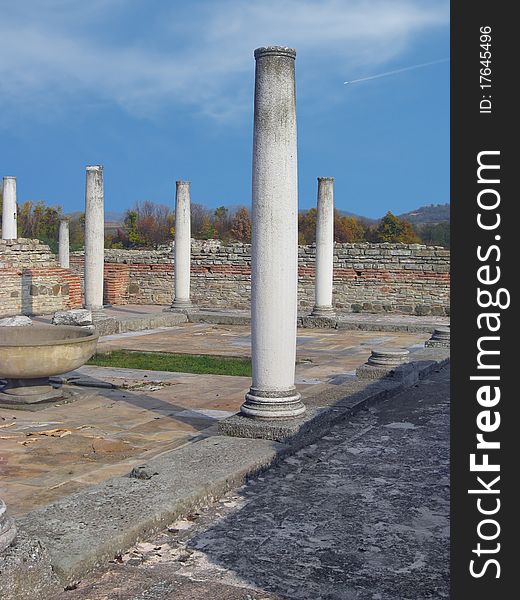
(159, 90)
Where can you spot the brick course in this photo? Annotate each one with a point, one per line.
(397, 278)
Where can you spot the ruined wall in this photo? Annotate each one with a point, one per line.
(32, 282)
(398, 278)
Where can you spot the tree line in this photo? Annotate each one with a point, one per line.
(150, 225)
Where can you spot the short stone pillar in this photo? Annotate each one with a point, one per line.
(9, 217)
(182, 250)
(274, 252)
(388, 357)
(324, 248)
(94, 238)
(63, 244)
(7, 527)
(440, 338)
(385, 362)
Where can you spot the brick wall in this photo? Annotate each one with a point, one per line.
(398, 278)
(32, 282)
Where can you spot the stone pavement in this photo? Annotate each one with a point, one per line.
(63, 449)
(360, 515)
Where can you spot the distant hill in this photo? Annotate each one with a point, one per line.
(433, 213)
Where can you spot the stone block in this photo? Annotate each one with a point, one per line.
(80, 317)
(17, 321)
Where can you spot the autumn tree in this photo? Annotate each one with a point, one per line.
(241, 226)
(198, 214)
(307, 226)
(39, 221)
(393, 229)
(222, 222)
(348, 229)
(130, 222)
(77, 231)
(207, 229)
(147, 225)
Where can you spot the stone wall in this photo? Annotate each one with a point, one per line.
(32, 282)
(398, 278)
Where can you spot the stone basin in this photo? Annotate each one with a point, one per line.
(30, 355)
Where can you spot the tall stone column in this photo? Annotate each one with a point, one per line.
(63, 244)
(182, 253)
(94, 238)
(324, 248)
(274, 261)
(9, 217)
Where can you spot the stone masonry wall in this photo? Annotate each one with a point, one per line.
(32, 282)
(397, 278)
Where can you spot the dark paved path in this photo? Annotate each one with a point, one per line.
(361, 515)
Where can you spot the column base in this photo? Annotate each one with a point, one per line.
(273, 404)
(181, 306)
(323, 311)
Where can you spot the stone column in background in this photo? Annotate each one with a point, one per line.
(182, 252)
(324, 248)
(63, 244)
(274, 259)
(94, 238)
(7, 527)
(9, 218)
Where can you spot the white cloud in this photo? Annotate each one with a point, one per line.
(59, 54)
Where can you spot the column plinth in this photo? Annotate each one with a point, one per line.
(274, 249)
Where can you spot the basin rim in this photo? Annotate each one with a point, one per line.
(89, 336)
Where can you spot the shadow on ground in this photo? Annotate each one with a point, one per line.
(362, 514)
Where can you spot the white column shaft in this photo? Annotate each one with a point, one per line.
(182, 251)
(274, 261)
(63, 244)
(9, 216)
(324, 245)
(94, 238)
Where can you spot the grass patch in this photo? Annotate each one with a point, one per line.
(168, 361)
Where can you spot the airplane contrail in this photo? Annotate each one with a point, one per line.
(419, 66)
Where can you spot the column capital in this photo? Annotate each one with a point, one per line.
(275, 51)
